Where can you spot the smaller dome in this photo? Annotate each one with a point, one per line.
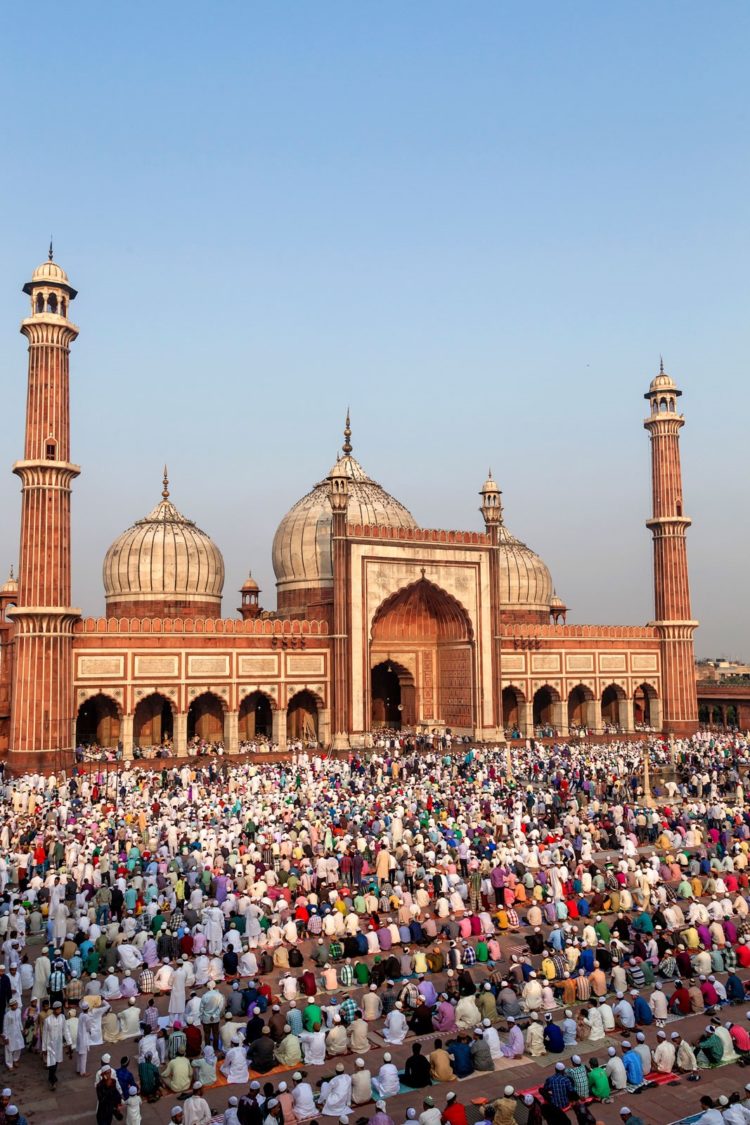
(490, 485)
(662, 382)
(557, 602)
(50, 272)
(11, 586)
(250, 586)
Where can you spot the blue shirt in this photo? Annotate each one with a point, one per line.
(633, 1068)
(462, 1061)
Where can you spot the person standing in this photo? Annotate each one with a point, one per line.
(108, 1100)
(13, 1034)
(83, 1038)
(55, 1037)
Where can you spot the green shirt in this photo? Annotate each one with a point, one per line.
(311, 1015)
(599, 1083)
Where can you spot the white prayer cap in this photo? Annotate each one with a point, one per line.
(509, 1091)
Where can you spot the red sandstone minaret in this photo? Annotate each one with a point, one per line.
(338, 494)
(42, 722)
(673, 619)
(492, 514)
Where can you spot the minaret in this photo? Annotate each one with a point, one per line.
(673, 619)
(338, 494)
(492, 513)
(43, 717)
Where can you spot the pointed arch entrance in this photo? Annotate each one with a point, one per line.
(205, 718)
(255, 717)
(393, 696)
(302, 717)
(98, 722)
(613, 698)
(424, 635)
(513, 702)
(153, 721)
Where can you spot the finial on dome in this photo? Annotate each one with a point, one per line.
(661, 364)
(12, 575)
(489, 474)
(165, 485)
(49, 255)
(347, 446)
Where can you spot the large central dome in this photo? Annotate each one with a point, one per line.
(163, 566)
(302, 544)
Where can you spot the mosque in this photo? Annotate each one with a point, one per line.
(379, 622)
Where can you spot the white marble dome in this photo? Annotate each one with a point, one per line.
(49, 273)
(164, 557)
(525, 581)
(302, 544)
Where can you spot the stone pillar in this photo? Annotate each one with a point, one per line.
(126, 736)
(324, 726)
(526, 718)
(560, 717)
(232, 732)
(180, 734)
(626, 715)
(595, 713)
(278, 733)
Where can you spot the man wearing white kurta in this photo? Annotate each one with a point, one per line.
(234, 1068)
(395, 1027)
(42, 970)
(13, 1034)
(213, 927)
(83, 1038)
(302, 1097)
(336, 1095)
(129, 1020)
(55, 1037)
(313, 1047)
(96, 1037)
(177, 998)
(386, 1081)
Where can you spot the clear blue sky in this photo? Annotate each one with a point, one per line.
(477, 224)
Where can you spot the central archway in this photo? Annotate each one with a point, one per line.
(392, 688)
(424, 628)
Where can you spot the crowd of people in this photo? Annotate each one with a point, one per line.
(266, 943)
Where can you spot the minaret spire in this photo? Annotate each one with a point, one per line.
(165, 485)
(347, 446)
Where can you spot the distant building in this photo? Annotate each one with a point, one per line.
(379, 623)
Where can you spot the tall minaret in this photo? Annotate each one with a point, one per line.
(492, 514)
(43, 719)
(338, 495)
(673, 619)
